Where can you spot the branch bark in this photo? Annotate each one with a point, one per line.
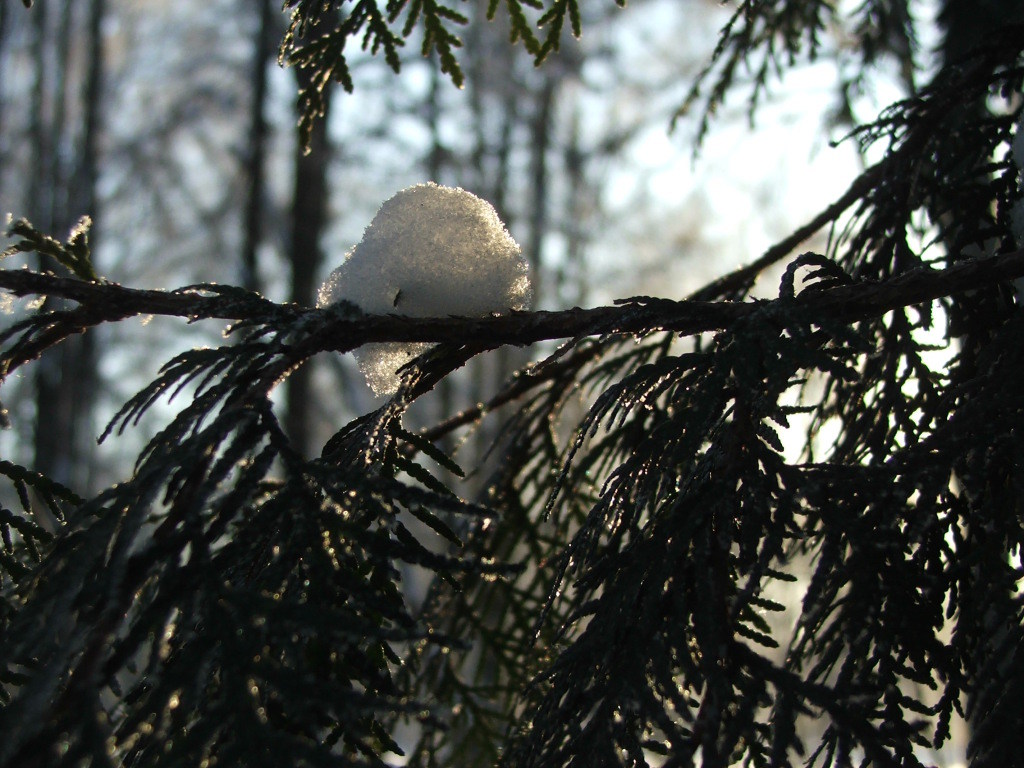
(105, 302)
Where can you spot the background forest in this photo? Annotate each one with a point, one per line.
(764, 512)
(174, 123)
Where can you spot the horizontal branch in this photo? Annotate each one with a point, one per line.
(844, 303)
(197, 302)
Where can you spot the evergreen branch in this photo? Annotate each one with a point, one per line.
(763, 38)
(40, 483)
(522, 382)
(104, 302)
(119, 301)
(74, 254)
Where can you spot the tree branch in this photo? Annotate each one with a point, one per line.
(194, 302)
(104, 302)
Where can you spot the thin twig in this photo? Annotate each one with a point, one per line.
(740, 280)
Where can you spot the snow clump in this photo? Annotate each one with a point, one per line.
(430, 251)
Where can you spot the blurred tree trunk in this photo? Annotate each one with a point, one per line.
(65, 118)
(255, 159)
(3, 45)
(495, 95)
(437, 156)
(541, 129)
(570, 279)
(309, 206)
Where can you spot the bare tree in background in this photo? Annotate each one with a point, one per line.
(267, 28)
(309, 206)
(67, 56)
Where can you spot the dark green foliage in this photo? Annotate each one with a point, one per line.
(73, 254)
(319, 34)
(761, 40)
(764, 39)
(23, 538)
(237, 599)
(791, 541)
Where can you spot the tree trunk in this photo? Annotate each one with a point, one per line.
(60, 193)
(252, 235)
(309, 205)
(3, 45)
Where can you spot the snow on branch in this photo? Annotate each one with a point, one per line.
(430, 251)
(343, 327)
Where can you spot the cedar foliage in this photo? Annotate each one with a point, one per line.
(607, 599)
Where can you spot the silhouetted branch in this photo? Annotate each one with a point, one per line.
(109, 301)
(104, 302)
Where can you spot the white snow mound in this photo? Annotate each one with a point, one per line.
(430, 251)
